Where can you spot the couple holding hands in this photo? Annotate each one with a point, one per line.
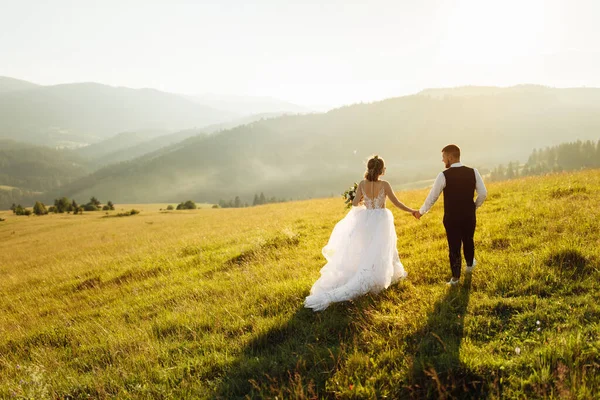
(361, 253)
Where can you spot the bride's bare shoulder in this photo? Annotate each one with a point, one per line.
(387, 186)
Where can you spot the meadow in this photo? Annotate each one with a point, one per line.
(208, 303)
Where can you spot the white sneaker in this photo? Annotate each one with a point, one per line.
(470, 269)
(452, 282)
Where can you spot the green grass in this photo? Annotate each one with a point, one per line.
(208, 303)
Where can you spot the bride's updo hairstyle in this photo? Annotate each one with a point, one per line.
(375, 167)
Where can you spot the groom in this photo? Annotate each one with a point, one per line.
(459, 184)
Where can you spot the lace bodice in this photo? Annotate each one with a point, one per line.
(376, 203)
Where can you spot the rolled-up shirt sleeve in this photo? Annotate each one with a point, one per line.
(434, 193)
(481, 190)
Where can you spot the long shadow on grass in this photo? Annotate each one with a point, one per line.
(437, 371)
(291, 360)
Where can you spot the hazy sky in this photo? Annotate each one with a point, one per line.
(308, 52)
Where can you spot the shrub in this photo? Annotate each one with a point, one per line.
(39, 208)
(215, 206)
(91, 207)
(105, 208)
(128, 213)
(188, 205)
(22, 211)
(170, 207)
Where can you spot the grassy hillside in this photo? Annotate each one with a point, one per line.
(303, 156)
(208, 303)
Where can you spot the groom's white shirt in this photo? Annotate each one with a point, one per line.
(440, 184)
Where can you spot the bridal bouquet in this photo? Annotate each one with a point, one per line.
(349, 195)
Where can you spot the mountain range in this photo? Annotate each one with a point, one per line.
(77, 114)
(315, 155)
(320, 154)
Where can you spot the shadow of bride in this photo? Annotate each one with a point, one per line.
(293, 359)
(437, 371)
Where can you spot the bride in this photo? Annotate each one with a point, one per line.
(361, 253)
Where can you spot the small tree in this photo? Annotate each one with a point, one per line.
(13, 208)
(170, 207)
(39, 208)
(510, 171)
(110, 205)
(95, 201)
(62, 205)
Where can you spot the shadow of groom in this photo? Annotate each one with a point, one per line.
(437, 371)
(291, 360)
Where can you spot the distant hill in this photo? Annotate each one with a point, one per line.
(249, 105)
(129, 145)
(304, 156)
(12, 85)
(75, 114)
(470, 91)
(118, 142)
(26, 168)
(581, 96)
(144, 147)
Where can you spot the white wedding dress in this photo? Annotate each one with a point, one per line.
(361, 256)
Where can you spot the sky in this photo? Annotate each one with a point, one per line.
(312, 53)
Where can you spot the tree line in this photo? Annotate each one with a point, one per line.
(63, 205)
(258, 200)
(563, 157)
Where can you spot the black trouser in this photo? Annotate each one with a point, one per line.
(460, 234)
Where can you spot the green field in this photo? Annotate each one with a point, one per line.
(208, 303)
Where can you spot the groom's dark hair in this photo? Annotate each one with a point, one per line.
(452, 150)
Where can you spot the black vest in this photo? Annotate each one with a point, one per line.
(459, 193)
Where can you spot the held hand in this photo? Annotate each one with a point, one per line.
(416, 214)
